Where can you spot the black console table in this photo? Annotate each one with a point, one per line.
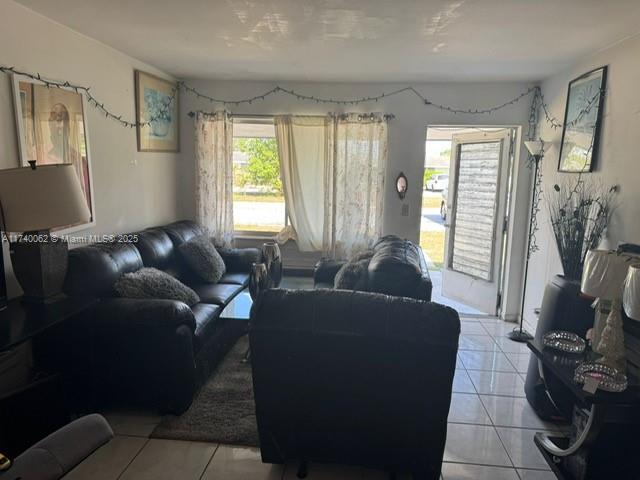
(21, 321)
(604, 433)
(38, 407)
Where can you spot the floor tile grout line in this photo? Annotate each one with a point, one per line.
(488, 416)
(496, 466)
(487, 412)
(553, 428)
(496, 431)
(134, 457)
(209, 462)
(504, 447)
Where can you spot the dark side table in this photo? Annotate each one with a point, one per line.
(21, 321)
(38, 407)
(603, 442)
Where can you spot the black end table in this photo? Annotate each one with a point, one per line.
(603, 442)
(22, 321)
(33, 410)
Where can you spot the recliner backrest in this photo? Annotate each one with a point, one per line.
(352, 377)
(395, 268)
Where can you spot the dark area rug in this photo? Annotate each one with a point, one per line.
(223, 411)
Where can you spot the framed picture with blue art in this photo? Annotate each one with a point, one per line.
(156, 113)
(582, 122)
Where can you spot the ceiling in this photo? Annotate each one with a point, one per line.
(352, 40)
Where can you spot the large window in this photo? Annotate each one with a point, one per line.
(258, 202)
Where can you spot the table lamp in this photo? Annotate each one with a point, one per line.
(631, 295)
(603, 277)
(33, 201)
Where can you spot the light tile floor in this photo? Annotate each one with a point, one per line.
(490, 434)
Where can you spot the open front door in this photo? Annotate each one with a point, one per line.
(474, 230)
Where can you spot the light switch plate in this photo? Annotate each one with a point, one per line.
(405, 209)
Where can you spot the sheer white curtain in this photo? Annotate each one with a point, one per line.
(214, 176)
(354, 185)
(304, 150)
(333, 171)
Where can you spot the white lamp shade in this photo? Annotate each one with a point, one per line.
(631, 295)
(534, 147)
(604, 274)
(46, 197)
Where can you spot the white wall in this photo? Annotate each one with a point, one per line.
(406, 136)
(618, 162)
(132, 190)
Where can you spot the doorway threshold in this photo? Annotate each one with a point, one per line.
(461, 308)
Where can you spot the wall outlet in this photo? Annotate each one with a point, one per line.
(405, 209)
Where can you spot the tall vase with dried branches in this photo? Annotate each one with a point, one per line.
(580, 214)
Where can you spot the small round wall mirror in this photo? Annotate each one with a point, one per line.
(401, 185)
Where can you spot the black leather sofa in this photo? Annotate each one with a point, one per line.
(397, 267)
(353, 378)
(148, 351)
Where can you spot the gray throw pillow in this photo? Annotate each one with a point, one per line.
(203, 258)
(364, 255)
(352, 275)
(154, 283)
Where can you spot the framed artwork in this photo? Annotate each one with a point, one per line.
(580, 139)
(157, 103)
(52, 128)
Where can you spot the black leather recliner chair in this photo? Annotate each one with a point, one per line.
(397, 267)
(353, 378)
(153, 351)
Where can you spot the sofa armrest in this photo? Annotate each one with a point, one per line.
(326, 270)
(58, 453)
(142, 352)
(426, 285)
(426, 288)
(147, 312)
(240, 259)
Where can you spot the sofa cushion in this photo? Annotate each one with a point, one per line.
(154, 283)
(206, 316)
(182, 231)
(235, 278)
(203, 258)
(352, 275)
(216, 293)
(93, 269)
(155, 247)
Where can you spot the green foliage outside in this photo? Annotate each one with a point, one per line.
(428, 173)
(433, 245)
(263, 168)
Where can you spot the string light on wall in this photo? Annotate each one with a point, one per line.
(537, 103)
(93, 101)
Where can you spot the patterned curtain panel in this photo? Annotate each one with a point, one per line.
(354, 184)
(214, 176)
(333, 171)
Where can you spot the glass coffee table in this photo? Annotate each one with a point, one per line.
(239, 308)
